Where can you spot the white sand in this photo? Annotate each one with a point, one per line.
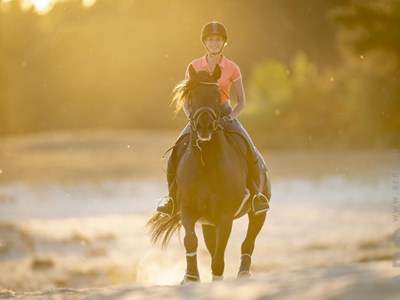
(351, 281)
(72, 224)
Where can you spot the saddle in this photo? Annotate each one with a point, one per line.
(250, 153)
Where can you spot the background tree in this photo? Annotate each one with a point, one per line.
(316, 72)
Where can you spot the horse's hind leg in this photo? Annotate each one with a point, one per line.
(256, 222)
(191, 243)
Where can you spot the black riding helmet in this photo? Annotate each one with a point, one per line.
(213, 28)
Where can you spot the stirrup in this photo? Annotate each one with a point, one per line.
(164, 203)
(256, 196)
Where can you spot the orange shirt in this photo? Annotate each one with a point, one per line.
(229, 73)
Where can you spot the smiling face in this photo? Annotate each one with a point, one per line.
(214, 43)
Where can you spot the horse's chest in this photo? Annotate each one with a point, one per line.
(209, 182)
(217, 172)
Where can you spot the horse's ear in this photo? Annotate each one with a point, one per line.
(217, 73)
(192, 71)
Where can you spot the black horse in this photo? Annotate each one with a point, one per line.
(211, 183)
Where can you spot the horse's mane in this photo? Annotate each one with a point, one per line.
(179, 94)
(182, 89)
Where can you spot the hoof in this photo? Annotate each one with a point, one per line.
(244, 275)
(217, 278)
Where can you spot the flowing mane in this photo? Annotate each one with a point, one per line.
(179, 94)
(182, 89)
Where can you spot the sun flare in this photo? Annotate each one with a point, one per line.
(40, 6)
(44, 6)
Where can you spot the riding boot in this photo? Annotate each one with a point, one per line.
(167, 204)
(260, 202)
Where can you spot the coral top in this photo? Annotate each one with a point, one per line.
(229, 73)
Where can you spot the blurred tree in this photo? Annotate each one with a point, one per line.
(290, 104)
(370, 41)
(371, 25)
(114, 65)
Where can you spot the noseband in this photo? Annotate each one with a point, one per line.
(204, 110)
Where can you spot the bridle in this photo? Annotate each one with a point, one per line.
(195, 116)
(210, 112)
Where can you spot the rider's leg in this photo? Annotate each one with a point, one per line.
(167, 204)
(260, 201)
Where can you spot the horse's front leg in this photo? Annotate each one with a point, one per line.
(256, 222)
(223, 231)
(191, 243)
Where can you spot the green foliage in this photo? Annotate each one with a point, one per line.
(290, 103)
(301, 105)
(369, 34)
(372, 25)
(270, 81)
(355, 102)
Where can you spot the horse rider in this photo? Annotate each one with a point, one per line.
(214, 37)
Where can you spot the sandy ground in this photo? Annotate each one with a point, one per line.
(73, 208)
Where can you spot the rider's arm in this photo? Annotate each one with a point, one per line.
(240, 97)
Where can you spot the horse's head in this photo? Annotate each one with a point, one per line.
(204, 102)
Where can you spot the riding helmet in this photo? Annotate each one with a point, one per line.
(213, 27)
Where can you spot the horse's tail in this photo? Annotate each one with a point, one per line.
(162, 227)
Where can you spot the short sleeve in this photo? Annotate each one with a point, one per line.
(236, 74)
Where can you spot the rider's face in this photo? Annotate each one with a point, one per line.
(214, 43)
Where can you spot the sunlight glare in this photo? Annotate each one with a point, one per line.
(40, 6)
(88, 3)
(44, 6)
